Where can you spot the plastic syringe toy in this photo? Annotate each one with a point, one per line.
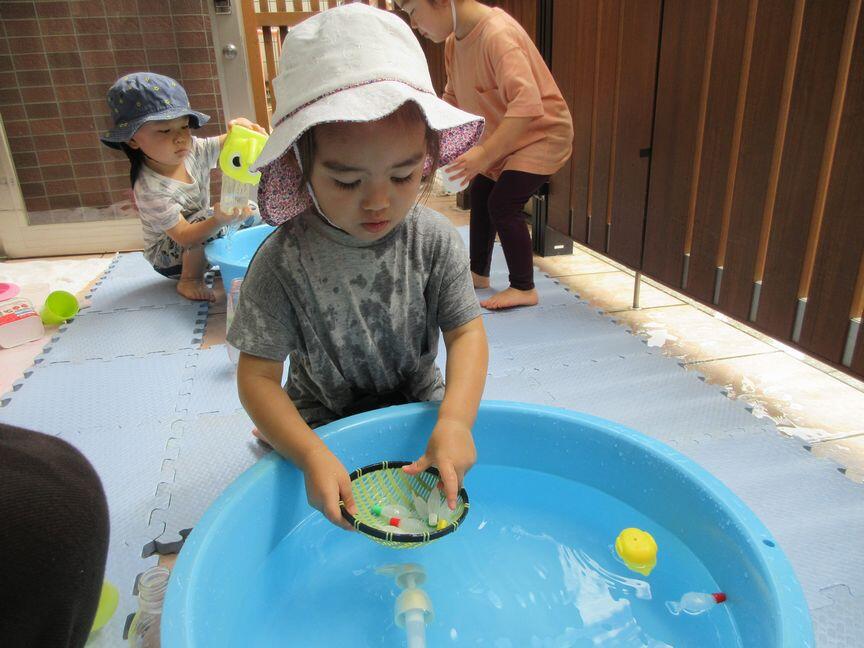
(241, 148)
(413, 610)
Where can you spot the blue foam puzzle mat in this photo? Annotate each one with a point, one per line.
(814, 512)
(559, 324)
(117, 334)
(519, 386)
(131, 283)
(213, 382)
(596, 347)
(57, 398)
(149, 394)
(213, 451)
(130, 461)
(213, 389)
(840, 623)
(650, 393)
(546, 336)
(550, 292)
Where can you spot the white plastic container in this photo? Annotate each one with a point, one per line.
(19, 323)
(236, 194)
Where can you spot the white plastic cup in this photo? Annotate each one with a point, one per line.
(451, 186)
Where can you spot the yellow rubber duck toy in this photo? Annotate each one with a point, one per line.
(637, 549)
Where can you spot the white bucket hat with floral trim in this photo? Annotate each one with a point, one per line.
(352, 63)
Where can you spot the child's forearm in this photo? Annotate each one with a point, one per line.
(467, 362)
(502, 142)
(273, 412)
(190, 234)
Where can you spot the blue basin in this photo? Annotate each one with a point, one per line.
(262, 568)
(233, 254)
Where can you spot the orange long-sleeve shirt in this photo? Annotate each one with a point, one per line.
(496, 71)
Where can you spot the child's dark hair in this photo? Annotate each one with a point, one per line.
(136, 161)
(407, 112)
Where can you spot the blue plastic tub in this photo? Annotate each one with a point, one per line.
(262, 568)
(233, 255)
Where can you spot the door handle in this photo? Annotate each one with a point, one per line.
(230, 51)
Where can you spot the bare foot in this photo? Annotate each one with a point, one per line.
(195, 289)
(511, 297)
(260, 438)
(479, 280)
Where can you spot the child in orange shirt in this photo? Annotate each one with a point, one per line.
(495, 70)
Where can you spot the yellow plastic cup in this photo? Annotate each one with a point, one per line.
(107, 605)
(59, 307)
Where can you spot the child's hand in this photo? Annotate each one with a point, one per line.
(451, 450)
(327, 483)
(469, 164)
(236, 215)
(242, 121)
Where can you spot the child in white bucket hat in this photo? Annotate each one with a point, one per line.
(359, 281)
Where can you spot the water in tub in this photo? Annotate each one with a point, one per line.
(532, 567)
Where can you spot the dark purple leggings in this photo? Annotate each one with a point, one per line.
(497, 207)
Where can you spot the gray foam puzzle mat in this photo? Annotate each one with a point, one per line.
(177, 402)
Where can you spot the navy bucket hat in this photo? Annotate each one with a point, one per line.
(141, 97)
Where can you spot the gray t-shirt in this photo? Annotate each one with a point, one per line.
(359, 320)
(162, 201)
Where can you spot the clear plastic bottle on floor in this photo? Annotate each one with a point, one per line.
(147, 622)
(232, 298)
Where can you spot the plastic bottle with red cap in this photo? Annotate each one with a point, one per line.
(695, 603)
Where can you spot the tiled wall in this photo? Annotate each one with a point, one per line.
(57, 60)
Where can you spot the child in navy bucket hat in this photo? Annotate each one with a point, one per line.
(360, 281)
(170, 174)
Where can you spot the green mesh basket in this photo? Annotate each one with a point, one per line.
(386, 483)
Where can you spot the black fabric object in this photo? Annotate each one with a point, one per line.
(496, 207)
(53, 541)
